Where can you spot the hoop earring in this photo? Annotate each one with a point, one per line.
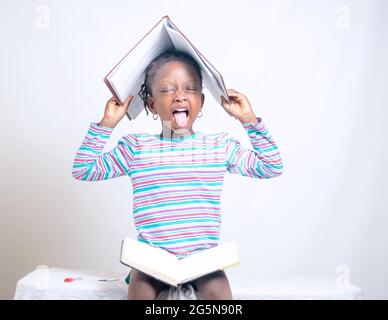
(156, 116)
(200, 116)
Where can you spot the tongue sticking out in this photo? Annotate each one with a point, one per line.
(180, 118)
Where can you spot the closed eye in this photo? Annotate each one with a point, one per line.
(191, 89)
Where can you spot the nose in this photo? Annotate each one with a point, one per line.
(180, 96)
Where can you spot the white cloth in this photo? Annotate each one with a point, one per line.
(48, 283)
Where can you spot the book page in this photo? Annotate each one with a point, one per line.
(203, 262)
(128, 75)
(154, 261)
(123, 70)
(215, 74)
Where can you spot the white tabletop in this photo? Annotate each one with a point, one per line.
(48, 283)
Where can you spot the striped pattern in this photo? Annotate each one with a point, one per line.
(177, 182)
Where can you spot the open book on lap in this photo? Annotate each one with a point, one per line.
(166, 267)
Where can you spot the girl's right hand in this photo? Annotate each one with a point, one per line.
(114, 112)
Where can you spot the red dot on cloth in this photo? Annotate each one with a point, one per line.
(68, 280)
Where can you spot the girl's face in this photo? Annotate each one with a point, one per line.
(176, 85)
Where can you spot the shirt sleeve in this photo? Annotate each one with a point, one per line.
(91, 164)
(262, 162)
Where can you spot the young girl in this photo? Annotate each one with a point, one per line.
(177, 175)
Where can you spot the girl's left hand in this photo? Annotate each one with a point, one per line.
(239, 106)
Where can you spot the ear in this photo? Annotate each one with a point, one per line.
(203, 99)
(150, 104)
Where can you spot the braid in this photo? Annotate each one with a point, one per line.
(167, 56)
(143, 93)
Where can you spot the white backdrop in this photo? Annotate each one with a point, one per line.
(315, 71)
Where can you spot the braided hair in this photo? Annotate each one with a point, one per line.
(155, 64)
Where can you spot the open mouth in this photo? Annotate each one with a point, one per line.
(181, 117)
(185, 111)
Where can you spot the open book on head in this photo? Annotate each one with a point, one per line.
(166, 267)
(127, 76)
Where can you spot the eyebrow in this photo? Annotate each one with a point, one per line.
(168, 80)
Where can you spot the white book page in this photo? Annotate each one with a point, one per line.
(214, 72)
(143, 256)
(128, 75)
(221, 256)
(134, 59)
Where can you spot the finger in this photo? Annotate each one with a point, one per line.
(224, 102)
(127, 101)
(227, 99)
(234, 98)
(113, 100)
(235, 92)
(225, 105)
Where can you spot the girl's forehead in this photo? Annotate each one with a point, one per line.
(176, 68)
(174, 76)
(168, 79)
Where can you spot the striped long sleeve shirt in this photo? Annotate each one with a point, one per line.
(177, 183)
